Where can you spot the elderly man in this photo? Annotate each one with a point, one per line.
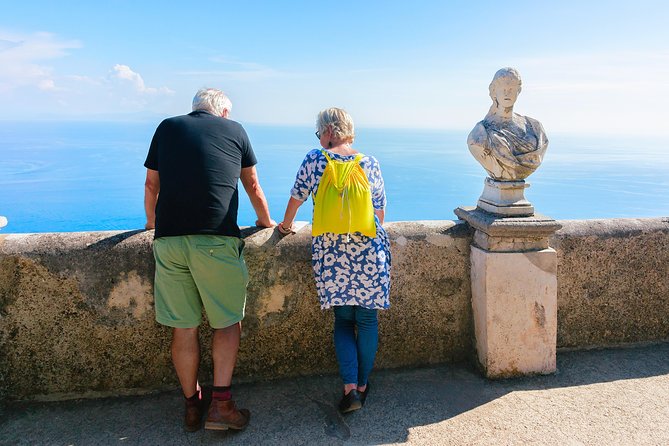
(191, 199)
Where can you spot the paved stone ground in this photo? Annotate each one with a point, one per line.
(603, 397)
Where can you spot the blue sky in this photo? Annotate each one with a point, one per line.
(587, 67)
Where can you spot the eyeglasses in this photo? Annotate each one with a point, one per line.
(318, 135)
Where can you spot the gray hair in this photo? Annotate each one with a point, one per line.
(211, 100)
(338, 121)
(508, 73)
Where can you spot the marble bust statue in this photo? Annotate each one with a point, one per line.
(509, 146)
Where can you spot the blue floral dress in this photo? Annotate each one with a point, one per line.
(354, 271)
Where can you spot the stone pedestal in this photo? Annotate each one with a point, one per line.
(505, 198)
(514, 293)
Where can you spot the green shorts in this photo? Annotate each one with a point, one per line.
(197, 270)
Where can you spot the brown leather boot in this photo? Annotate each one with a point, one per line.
(193, 418)
(224, 415)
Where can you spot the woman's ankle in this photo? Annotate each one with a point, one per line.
(349, 387)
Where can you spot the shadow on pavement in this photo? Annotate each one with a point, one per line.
(302, 410)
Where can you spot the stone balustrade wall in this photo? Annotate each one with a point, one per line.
(613, 281)
(76, 309)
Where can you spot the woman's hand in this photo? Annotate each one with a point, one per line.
(285, 229)
(286, 226)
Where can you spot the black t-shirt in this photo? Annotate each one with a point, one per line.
(199, 158)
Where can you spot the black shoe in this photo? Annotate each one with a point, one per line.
(363, 395)
(350, 402)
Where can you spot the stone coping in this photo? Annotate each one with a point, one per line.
(76, 308)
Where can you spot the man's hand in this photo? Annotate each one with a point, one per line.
(266, 224)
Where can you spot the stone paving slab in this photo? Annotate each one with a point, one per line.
(598, 397)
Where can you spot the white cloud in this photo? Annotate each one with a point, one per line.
(234, 70)
(31, 72)
(622, 72)
(7, 44)
(607, 93)
(125, 74)
(23, 57)
(47, 85)
(84, 79)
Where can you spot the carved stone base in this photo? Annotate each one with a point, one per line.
(514, 301)
(505, 198)
(508, 234)
(514, 292)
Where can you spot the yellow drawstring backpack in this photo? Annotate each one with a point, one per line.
(343, 203)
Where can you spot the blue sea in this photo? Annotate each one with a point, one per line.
(84, 176)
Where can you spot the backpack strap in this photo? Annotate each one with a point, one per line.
(357, 158)
(325, 154)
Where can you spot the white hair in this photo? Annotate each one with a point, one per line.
(338, 121)
(211, 100)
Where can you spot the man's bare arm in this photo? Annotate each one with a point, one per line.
(151, 191)
(251, 183)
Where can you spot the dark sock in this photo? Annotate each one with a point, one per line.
(193, 399)
(223, 393)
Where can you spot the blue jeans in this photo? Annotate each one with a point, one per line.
(355, 354)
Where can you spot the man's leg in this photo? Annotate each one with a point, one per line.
(186, 358)
(223, 412)
(224, 352)
(177, 304)
(221, 276)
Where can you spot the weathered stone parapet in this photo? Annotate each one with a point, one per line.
(76, 309)
(613, 281)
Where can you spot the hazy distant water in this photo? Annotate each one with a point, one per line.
(90, 176)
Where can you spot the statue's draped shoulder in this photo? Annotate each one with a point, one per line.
(539, 132)
(478, 135)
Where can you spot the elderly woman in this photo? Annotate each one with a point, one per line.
(509, 146)
(351, 254)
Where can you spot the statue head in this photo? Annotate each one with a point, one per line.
(505, 87)
(509, 146)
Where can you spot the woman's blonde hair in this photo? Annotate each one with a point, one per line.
(338, 121)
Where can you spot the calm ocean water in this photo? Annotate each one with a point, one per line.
(90, 176)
